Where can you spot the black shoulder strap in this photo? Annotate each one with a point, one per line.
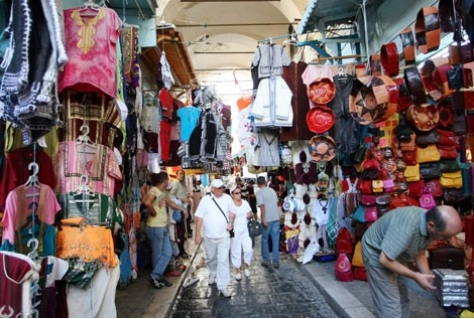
(220, 209)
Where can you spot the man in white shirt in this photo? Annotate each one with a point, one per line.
(215, 214)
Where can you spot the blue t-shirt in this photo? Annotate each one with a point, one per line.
(189, 116)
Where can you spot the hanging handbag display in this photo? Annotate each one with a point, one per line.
(428, 154)
(343, 268)
(371, 214)
(412, 173)
(451, 179)
(426, 199)
(435, 188)
(415, 189)
(357, 260)
(377, 186)
(424, 139)
(430, 170)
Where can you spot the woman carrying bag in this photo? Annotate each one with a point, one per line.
(241, 240)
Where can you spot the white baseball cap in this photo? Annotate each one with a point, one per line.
(217, 183)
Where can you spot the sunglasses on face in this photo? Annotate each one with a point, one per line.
(237, 193)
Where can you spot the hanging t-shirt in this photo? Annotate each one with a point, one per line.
(189, 117)
(15, 269)
(91, 49)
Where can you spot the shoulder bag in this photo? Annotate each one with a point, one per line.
(231, 232)
(254, 228)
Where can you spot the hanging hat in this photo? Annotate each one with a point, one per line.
(322, 91)
(322, 148)
(320, 119)
(373, 99)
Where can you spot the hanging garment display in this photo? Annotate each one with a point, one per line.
(91, 47)
(267, 151)
(268, 60)
(272, 105)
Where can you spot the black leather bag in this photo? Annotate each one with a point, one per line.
(430, 170)
(449, 166)
(254, 227)
(424, 139)
(447, 258)
(455, 78)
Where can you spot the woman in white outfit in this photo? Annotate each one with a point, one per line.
(241, 240)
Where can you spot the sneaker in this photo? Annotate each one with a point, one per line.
(211, 280)
(247, 273)
(225, 293)
(276, 265)
(155, 283)
(238, 276)
(165, 282)
(173, 273)
(264, 264)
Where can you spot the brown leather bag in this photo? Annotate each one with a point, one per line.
(447, 258)
(410, 145)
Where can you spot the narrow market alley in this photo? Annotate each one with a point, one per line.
(285, 292)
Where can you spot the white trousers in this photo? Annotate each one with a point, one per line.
(217, 253)
(241, 241)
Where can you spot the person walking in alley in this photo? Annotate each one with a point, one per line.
(156, 201)
(241, 240)
(396, 238)
(214, 213)
(181, 192)
(267, 200)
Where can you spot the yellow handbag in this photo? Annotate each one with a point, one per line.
(377, 186)
(412, 173)
(451, 180)
(428, 154)
(357, 260)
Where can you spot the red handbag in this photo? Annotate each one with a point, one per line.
(343, 268)
(365, 187)
(416, 188)
(409, 157)
(434, 187)
(360, 274)
(368, 200)
(344, 241)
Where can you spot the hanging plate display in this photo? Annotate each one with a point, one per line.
(322, 91)
(320, 119)
(373, 99)
(322, 148)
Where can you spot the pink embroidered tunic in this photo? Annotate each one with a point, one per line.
(91, 48)
(97, 162)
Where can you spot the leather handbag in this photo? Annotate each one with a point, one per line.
(412, 173)
(460, 53)
(430, 170)
(453, 196)
(428, 154)
(463, 100)
(459, 77)
(424, 118)
(365, 186)
(371, 214)
(357, 260)
(435, 188)
(451, 179)
(368, 200)
(408, 43)
(389, 59)
(447, 166)
(360, 273)
(427, 200)
(449, 14)
(459, 123)
(416, 189)
(343, 268)
(403, 200)
(404, 99)
(408, 145)
(377, 186)
(254, 228)
(389, 185)
(447, 138)
(448, 152)
(447, 258)
(375, 65)
(409, 157)
(423, 139)
(427, 30)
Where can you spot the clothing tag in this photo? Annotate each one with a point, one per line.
(42, 142)
(122, 107)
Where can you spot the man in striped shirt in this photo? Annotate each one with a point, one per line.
(399, 236)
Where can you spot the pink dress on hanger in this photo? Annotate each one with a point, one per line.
(91, 49)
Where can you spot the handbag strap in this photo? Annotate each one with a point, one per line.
(220, 209)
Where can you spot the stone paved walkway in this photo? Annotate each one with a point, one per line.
(278, 293)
